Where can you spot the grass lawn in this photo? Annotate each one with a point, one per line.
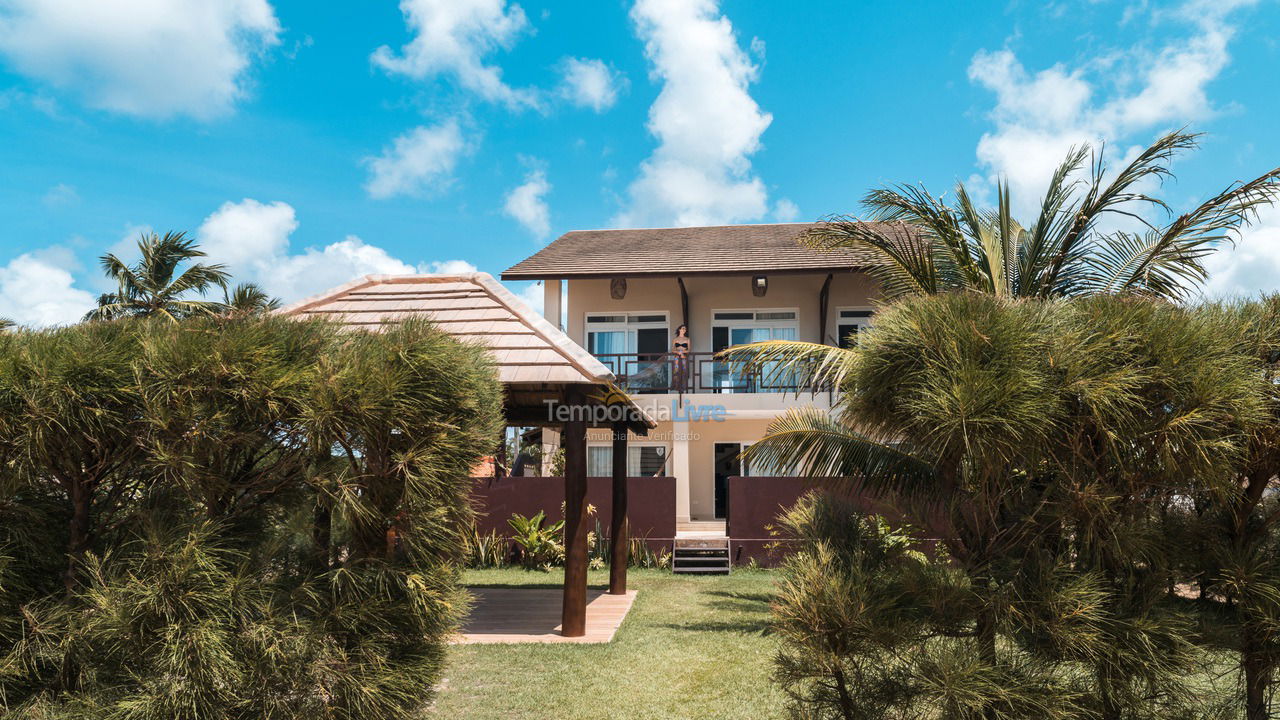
(691, 647)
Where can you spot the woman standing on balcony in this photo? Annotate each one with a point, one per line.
(680, 363)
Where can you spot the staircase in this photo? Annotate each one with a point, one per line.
(700, 547)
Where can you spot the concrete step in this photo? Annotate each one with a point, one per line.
(702, 544)
(700, 556)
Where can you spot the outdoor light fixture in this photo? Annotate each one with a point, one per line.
(759, 285)
(618, 288)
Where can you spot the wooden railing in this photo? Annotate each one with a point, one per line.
(701, 372)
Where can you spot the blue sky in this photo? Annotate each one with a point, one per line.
(305, 143)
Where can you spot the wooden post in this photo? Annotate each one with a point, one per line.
(618, 523)
(573, 618)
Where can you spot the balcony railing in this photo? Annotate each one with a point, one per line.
(701, 373)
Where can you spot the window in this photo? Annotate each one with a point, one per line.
(627, 333)
(849, 322)
(642, 460)
(740, 327)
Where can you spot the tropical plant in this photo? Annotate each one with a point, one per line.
(1032, 439)
(255, 517)
(153, 285)
(489, 550)
(872, 627)
(1227, 534)
(1076, 245)
(7, 324)
(248, 299)
(541, 544)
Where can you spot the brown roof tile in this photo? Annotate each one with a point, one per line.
(719, 249)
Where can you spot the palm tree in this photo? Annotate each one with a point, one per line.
(927, 245)
(248, 299)
(7, 324)
(1075, 246)
(150, 288)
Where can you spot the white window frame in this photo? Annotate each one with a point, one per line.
(793, 323)
(862, 323)
(628, 326)
(666, 454)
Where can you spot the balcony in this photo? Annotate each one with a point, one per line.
(649, 373)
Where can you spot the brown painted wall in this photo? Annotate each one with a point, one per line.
(651, 506)
(756, 502)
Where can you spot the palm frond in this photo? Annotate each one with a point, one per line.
(789, 363)
(1167, 263)
(1057, 214)
(812, 442)
(908, 268)
(248, 299)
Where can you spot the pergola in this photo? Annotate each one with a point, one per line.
(550, 381)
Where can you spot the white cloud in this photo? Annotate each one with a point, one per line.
(706, 123)
(533, 296)
(37, 289)
(1124, 98)
(420, 160)
(248, 236)
(1253, 265)
(452, 37)
(528, 205)
(318, 269)
(448, 267)
(153, 58)
(253, 239)
(589, 83)
(60, 195)
(785, 211)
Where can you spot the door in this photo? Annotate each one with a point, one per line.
(728, 463)
(652, 371)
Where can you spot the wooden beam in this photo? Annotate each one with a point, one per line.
(573, 617)
(824, 301)
(684, 305)
(618, 523)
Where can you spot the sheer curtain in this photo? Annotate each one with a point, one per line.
(599, 461)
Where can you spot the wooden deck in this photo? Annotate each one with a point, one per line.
(532, 615)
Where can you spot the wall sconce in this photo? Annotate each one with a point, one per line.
(618, 288)
(759, 285)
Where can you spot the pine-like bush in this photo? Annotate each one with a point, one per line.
(233, 518)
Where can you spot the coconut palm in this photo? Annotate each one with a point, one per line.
(248, 299)
(150, 287)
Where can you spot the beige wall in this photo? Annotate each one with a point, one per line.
(710, 293)
(691, 445)
(691, 456)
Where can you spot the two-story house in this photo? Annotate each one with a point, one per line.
(622, 294)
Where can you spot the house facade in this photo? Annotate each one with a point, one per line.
(622, 294)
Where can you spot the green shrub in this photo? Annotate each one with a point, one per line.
(541, 544)
(265, 518)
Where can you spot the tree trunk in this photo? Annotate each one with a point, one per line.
(846, 702)
(1257, 680)
(322, 533)
(79, 536)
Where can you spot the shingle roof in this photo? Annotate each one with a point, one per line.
(719, 249)
(472, 307)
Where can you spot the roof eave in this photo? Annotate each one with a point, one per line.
(599, 275)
